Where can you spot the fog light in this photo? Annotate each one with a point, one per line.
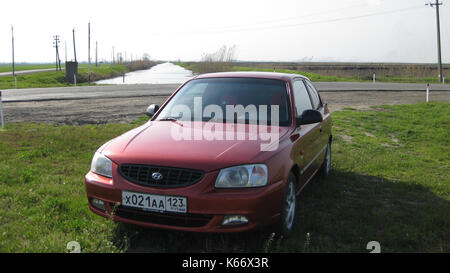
(234, 220)
(98, 204)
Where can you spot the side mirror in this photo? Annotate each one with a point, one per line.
(309, 117)
(152, 109)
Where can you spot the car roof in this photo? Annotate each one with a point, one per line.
(251, 74)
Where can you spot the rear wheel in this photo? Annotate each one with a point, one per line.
(287, 220)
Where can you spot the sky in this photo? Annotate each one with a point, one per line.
(277, 30)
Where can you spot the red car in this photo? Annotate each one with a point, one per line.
(197, 165)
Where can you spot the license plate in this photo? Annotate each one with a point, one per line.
(154, 202)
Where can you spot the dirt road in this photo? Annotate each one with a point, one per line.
(107, 110)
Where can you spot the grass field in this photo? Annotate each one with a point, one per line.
(324, 78)
(57, 78)
(357, 69)
(390, 183)
(198, 67)
(22, 67)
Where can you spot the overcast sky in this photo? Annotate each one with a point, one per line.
(277, 30)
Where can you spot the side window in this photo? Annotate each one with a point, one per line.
(314, 96)
(301, 97)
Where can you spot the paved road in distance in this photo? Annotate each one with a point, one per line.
(147, 90)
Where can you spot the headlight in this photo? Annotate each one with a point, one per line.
(101, 165)
(254, 175)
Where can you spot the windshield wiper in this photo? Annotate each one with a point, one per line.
(178, 118)
(170, 119)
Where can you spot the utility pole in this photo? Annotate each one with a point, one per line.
(12, 39)
(113, 56)
(96, 56)
(437, 4)
(74, 50)
(55, 45)
(89, 53)
(13, 63)
(65, 52)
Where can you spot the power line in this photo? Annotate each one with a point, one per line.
(348, 18)
(322, 12)
(231, 28)
(342, 18)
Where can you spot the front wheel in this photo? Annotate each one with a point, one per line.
(287, 220)
(326, 166)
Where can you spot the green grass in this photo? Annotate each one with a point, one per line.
(407, 79)
(318, 77)
(312, 76)
(390, 183)
(22, 67)
(42, 194)
(323, 78)
(57, 78)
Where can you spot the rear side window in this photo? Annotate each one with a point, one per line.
(316, 103)
(301, 97)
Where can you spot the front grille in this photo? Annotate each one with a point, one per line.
(169, 219)
(172, 177)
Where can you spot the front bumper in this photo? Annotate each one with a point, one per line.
(207, 206)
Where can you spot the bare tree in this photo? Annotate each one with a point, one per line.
(146, 57)
(220, 60)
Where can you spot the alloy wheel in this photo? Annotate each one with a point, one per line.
(328, 160)
(290, 206)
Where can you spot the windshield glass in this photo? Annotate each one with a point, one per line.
(253, 100)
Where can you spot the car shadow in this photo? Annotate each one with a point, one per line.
(340, 213)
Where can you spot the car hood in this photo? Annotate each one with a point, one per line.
(153, 143)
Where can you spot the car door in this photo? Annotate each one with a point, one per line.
(304, 150)
(324, 127)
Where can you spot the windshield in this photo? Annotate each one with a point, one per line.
(238, 100)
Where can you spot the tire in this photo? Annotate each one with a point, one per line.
(287, 219)
(326, 165)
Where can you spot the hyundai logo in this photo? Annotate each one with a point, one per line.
(157, 176)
